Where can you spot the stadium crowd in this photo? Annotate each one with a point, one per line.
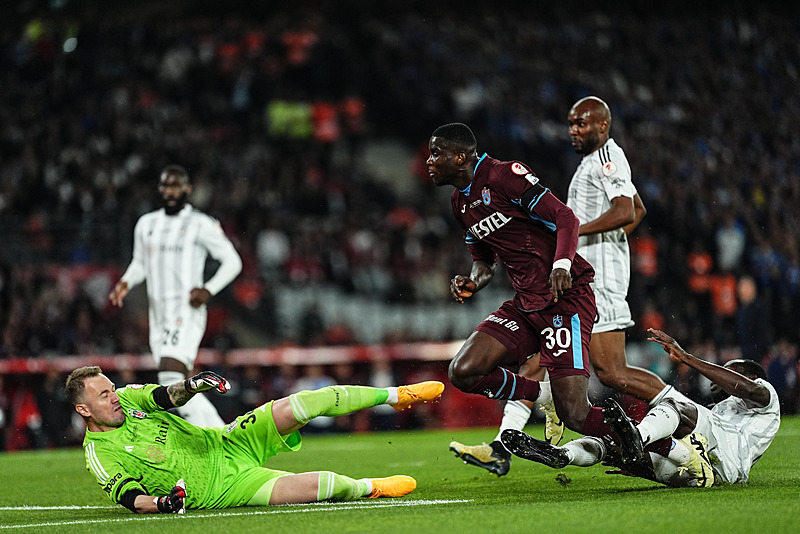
(272, 110)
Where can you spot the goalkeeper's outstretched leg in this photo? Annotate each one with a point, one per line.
(293, 412)
(329, 486)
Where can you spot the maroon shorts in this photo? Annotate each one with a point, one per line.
(560, 333)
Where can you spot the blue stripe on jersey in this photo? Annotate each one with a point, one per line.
(479, 161)
(548, 224)
(537, 199)
(577, 345)
(518, 201)
(465, 191)
(470, 238)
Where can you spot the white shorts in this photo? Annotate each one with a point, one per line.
(613, 312)
(178, 338)
(723, 447)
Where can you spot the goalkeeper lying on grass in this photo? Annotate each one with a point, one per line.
(150, 461)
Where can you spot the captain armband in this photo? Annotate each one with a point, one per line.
(161, 397)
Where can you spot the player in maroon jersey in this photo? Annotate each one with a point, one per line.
(507, 214)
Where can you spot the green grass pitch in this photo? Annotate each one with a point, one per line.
(51, 491)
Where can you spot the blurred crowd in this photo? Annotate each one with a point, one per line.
(274, 110)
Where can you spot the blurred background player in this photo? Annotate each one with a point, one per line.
(170, 247)
(602, 195)
(686, 444)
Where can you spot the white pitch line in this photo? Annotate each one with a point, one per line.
(291, 509)
(23, 508)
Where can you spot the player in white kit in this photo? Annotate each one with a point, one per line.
(682, 443)
(170, 247)
(603, 197)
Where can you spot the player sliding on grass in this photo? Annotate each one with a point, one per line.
(681, 443)
(150, 461)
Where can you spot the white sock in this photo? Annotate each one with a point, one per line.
(199, 410)
(368, 481)
(661, 421)
(585, 451)
(679, 453)
(515, 416)
(394, 398)
(663, 468)
(545, 394)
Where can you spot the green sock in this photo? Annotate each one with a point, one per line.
(333, 487)
(335, 400)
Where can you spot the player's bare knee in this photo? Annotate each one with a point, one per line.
(459, 374)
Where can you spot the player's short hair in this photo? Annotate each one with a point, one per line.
(75, 382)
(177, 169)
(748, 368)
(458, 135)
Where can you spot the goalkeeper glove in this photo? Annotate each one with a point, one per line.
(205, 381)
(173, 503)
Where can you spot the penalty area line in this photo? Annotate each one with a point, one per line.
(288, 509)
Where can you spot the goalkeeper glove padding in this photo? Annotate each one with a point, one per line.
(205, 381)
(173, 503)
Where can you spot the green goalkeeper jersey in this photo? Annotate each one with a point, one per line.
(153, 449)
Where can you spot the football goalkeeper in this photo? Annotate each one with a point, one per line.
(151, 461)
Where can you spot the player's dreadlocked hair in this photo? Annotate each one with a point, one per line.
(74, 386)
(748, 368)
(458, 135)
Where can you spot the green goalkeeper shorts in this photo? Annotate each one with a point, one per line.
(247, 443)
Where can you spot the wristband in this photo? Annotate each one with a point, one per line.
(563, 263)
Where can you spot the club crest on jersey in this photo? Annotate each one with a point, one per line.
(137, 414)
(558, 321)
(517, 168)
(486, 196)
(230, 427)
(609, 169)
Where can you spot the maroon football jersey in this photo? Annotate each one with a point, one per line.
(527, 239)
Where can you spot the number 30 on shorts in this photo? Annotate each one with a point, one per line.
(561, 337)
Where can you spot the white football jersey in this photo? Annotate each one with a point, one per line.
(170, 251)
(739, 434)
(602, 176)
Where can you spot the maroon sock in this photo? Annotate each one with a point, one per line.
(661, 446)
(596, 426)
(501, 383)
(634, 408)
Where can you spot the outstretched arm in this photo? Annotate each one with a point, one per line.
(137, 501)
(181, 392)
(730, 381)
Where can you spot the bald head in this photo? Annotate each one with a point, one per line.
(589, 124)
(595, 106)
